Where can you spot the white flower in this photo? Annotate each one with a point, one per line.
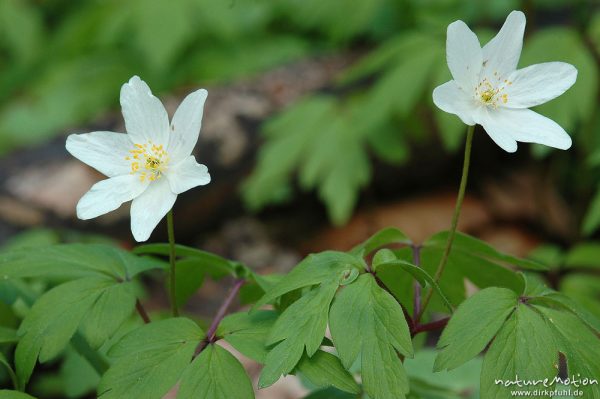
(150, 165)
(489, 90)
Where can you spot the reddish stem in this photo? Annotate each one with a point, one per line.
(142, 312)
(434, 325)
(212, 330)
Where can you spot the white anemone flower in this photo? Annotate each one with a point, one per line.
(489, 90)
(151, 164)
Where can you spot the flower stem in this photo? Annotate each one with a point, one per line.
(212, 330)
(457, 209)
(172, 287)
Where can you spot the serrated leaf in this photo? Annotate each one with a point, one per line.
(215, 374)
(110, 309)
(150, 359)
(55, 317)
(379, 333)
(314, 269)
(325, 370)
(248, 332)
(523, 348)
(579, 345)
(385, 237)
(473, 325)
(301, 326)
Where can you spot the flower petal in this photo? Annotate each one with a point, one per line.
(148, 209)
(539, 83)
(463, 54)
(497, 128)
(502, 53)
(450, 98)
(187, 174)
(185, 126)
(526, 126)
(103, 151)
(107, 195)
(145, 116)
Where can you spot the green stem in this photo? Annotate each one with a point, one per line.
(93, 357)
(172, 288)
(457, 209)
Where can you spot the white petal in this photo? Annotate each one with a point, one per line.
(448, 97)
(103, 151)
(148, 209)
(497, 128)
(185, 126)
(526, 126)
(502, 53)
(107, 195)
(539, 83)
(463, 54)
(145, 116)
(187, 174)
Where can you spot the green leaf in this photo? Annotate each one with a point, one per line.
(213, 265)
(585, 255)
(215, 374)
(11, 373)
(420, 275)
(110, 309)
(150, 359)
(314, 269)
(6, 394)
(77, 375)
(248, 332)
(524, 347)
(580, 346)
(591, 221)
(8, 335)
(302, 325)
(55, 317)
(473, 325)
(565, 44)
(73, 261)
(467, 244)
(561, 301)
(386, 237)
(188, 280)
(325, 370)
(379, 333)
(330, 393)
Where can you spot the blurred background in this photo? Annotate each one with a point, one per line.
(319, 128)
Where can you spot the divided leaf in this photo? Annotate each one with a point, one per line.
(215, 374)
(248, 332)
(382, 238)
(473, 325)
(74, 261)
(524, 347)
(325, 370)
(314, 269)
(56, 315)
(379, 334)
(302, 325)
(150, 359)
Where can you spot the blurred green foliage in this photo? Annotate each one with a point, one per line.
(383, 103)
(61, 62)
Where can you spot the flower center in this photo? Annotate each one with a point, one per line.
(148, 160)
(490, 94)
